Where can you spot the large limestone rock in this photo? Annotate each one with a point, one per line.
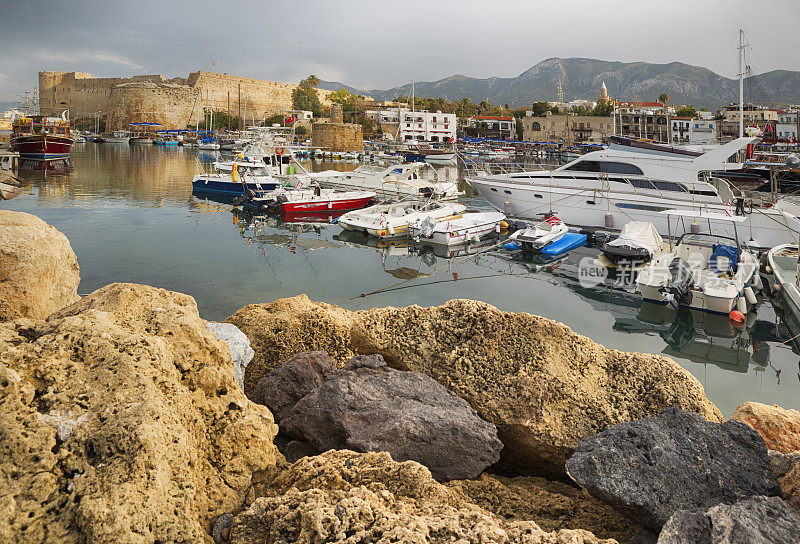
(238, 343)
(38, 269)
(367, 406)
(542, 385)
(757, 520)
(790, 485)
(552, 505)
(780, 428)
(120, 421)
(341, 496)
(651, 468)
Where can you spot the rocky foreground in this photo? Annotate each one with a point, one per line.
(125, 417)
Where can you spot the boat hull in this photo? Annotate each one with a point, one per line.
(42, 146)
(335, 205)
(211, 185)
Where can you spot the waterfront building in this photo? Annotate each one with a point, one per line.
(499, 127)
(693, 130)
(567, 128)
(405, 125)
(787, 127)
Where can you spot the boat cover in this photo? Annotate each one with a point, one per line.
(640, 234)
(730, 253)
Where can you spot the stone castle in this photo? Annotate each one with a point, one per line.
(155, 99)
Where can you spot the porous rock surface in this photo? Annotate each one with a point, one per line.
(757, 520)
(39, 272)
(542, 385)
(779, 427)
(651, 468)
(342, 496)
(366, 406)
(790, 485)
(120, 421)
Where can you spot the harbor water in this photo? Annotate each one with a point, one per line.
(130, 216)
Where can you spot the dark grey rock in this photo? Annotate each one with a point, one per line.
(297, 449)
(367, 406)
(297, 377)
(782, 463)
(757, 520)
(220, 527)
(651, 468)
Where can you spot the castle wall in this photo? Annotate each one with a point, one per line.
(337, 136)
(85, 96)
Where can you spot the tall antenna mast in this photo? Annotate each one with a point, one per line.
(741, 83)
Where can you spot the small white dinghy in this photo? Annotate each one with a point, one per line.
(783, 272)
(541, 233)
(392, 221)
(470, 227)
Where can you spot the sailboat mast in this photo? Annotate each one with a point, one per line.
(741, 83)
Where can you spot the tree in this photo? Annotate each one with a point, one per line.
(305, 96)
(603, 110)
(686, 111)
(663, 98)
(539, 108)
(301, 130)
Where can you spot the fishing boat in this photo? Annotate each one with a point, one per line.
(637, 243)
(208, 143)
(117, 137)
(703, 271)
(240, 178)
(470, 227)
(394, 220)
(40, 137)
(411, 180)
(610, 187)
(539, 234)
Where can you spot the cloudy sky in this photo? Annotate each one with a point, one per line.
(379, 43)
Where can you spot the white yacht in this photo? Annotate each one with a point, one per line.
(409, 180)
(610, 187)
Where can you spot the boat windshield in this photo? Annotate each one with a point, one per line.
(706, 240)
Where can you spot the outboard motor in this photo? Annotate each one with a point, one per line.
(679, 289)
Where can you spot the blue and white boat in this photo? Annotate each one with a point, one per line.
(233, 182)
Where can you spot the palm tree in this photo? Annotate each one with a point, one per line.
(312, 81)
(663, 98)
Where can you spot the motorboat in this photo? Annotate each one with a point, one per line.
(117, 137)
(208, 143)
(321, 200)
(638, 242)
(410, 180)
(703, 271)
(610, 187)
(470, 227)
(539, 234)
(240, 179)
(782, 269)
(394, 220)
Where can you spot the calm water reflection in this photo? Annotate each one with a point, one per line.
(130, 215)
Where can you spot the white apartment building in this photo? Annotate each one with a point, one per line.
(786, 127)
(405, 125)
(693, 130)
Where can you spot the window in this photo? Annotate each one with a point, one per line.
(643, 183)
(670, 186)
(606, 167)
(536, 127)
(644, 207)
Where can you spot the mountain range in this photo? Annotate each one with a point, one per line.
(582, 78)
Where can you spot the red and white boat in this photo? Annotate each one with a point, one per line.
(40, 137)
(321, 200)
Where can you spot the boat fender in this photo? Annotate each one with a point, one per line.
(475, 238)
(750, 295)
(512, 246)
(507, 207)
(694, 228)
(741, 304)
(497, 228)
(777, 287)
(330, 204)
(609, 221)
(755, 281)
(390, 228)
(736, 317)
(503, 225)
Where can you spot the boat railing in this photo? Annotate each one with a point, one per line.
(471, 168)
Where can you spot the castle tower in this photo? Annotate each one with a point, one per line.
(603, 94)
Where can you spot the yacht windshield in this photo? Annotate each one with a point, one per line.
(707, 240)
(606, 167)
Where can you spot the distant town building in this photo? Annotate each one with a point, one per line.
(499, 127)
(753, 114)
(404, 124)
(644, 120)
(693, 130)
(567, 128)
(787, 127)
